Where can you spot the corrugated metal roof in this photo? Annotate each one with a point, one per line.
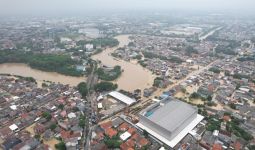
(172, 114)
(125, 99)
(178, 137)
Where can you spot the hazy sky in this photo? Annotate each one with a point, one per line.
(16, 7)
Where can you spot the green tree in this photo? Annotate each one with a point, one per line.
(105, 86)
(53, 126)
(82, 120)
(46, 115)
(82, 88)
(60, 146)
(190, 50)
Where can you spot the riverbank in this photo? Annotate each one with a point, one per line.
(60, 63)
(26, 71)
(134, 76)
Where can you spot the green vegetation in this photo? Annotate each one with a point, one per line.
(60, 146)
(247, 58)
(214, 69)
(37, 136)
(233, 127)
(99, 50)
(251, 147)
(138, 57)
(131, 44)
(142, 63)
(183, 90)
(194, 95)
(172, 59)
(53, 126)
(104, 42)
(240, 76)
(82, 88)
(82, 120)
(228, 50)
(190, 50)
(157, 81)
(47, 62)
(113, 142)
(145, 133)
(232, 105)
(61, 106)
(109, 75)
(44, 85)
(46, 115)
(213, 124)
(105, 86)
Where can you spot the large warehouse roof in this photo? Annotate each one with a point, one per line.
(172, 114)
(177, 138)
(121, 97)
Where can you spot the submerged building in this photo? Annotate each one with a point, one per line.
(169, 120)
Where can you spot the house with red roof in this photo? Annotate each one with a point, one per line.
(217, 147)
(124, 127)
(142, 142)
(106, 125)
(111, 132)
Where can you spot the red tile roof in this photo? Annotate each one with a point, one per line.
(143, 142)
(217, 147)
(124, 126)
(226, 118)
(130, 143)
(135, 137)
(237, 145)
(111, 132)
(132, 131)
(68, 134)
(124, 146)
(106, 125)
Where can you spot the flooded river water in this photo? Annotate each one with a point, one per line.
(26, 71)
(134, 75)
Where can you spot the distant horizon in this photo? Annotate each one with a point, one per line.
(104, 7)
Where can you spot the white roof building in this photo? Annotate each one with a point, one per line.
(169, 120)
(99, 105)
(13, 107)
(121, 97)
(125, 136)
(13, 127)
(71, 115)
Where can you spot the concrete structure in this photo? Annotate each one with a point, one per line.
(169, 120)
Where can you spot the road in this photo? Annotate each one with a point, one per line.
(90, 106)
(209, 34)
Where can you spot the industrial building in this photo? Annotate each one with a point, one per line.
(169, 120)
(123, 98)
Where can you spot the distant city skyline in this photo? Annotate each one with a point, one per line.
(56, 7)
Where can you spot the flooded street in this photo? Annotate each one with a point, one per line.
(134, 75)
(26, 71)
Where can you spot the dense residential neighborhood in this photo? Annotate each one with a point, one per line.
(127, 83)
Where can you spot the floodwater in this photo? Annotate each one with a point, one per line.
(24, 70)
(134, 75)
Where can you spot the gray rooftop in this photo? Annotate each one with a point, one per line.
(171, 114)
